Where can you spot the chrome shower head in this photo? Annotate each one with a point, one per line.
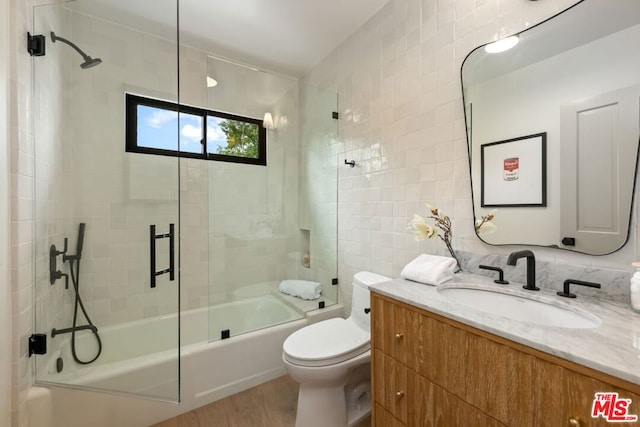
(88, 61)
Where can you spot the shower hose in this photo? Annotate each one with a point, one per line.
(78, 302)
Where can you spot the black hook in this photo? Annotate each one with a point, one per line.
(351, 163)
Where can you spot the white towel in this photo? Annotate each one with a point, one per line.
(430, 269)
(301, 288)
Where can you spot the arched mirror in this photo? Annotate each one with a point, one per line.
(553, 129)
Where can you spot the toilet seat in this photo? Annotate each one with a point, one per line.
(326, 343)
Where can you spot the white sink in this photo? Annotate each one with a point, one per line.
(538, 310)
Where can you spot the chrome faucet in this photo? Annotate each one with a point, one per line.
(531, 267)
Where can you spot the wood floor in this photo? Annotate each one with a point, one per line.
(272, 404)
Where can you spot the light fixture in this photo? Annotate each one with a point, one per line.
(267, 122)
(211, 82)
(502, 45)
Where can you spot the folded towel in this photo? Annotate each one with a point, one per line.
(301, 288)
(430, 269)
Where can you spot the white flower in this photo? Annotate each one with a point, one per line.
(485, 228)
(420, 228)
(434, 211)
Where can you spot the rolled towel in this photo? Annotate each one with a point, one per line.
(430, 269)
(301, 288)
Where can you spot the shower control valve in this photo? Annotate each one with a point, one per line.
(59, 274)
(54, 273)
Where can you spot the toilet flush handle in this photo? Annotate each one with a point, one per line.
(367, 310)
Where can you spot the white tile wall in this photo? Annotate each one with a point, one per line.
(397, 79)
(318, 188)
(6, 320)
(21, 203)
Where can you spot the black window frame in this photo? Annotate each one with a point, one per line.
(131, 125)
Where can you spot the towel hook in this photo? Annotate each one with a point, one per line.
(351, 163)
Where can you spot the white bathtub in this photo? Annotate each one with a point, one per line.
(209, 370)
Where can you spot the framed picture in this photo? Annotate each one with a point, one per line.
(514, 172)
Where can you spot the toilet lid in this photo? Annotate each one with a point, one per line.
(326, 343)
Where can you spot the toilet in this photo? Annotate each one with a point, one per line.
(331, 362)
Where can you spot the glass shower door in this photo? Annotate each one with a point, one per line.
(107, 219)
(274, 222)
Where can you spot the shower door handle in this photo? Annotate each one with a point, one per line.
(152, 253)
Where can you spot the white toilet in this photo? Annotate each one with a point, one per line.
(331, 361)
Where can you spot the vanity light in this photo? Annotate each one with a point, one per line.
(267, 122)
(502, 45)
(211, 82)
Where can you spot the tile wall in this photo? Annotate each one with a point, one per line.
(398, 80)
(21, 203)
(5, 288)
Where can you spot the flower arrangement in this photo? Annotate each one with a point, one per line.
(443, 228)
(484, 225)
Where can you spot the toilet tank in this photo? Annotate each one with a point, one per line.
(360, 299)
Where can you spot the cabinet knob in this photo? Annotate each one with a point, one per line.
(399, 394)
(399, 336)
(574, 422)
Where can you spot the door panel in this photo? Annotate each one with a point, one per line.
(598, 133)
(95, 204)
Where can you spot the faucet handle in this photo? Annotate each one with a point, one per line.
(565, 293)
(500, 280)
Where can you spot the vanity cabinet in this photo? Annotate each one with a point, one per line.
(432, 371)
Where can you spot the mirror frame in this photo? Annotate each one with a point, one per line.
(468, 134)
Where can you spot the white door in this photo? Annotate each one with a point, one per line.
(599, 133)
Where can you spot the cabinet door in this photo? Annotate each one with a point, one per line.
(421, 405)
(499, 381)
(390, 385)
(383, 418)
(447, 365)
(378, 322)
(429, 405)
(563, 395)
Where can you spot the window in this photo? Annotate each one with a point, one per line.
(169, 129)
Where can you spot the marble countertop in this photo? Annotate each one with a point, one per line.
(613, 347)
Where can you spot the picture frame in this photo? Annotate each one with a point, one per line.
(514, 172)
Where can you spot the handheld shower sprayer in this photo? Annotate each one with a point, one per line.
(74, 275)
(88, 61)
(54, 273)
(79, 244)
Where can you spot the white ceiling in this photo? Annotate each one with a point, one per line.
(579, 25)
(289, 36)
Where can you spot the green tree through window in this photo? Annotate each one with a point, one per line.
(242, 139)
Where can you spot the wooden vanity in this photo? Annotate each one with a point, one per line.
(429, 370)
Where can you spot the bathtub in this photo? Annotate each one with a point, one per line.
(210, 370)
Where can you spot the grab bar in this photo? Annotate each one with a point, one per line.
(152, 247)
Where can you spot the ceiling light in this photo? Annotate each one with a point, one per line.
(211, 82)
(502, 45)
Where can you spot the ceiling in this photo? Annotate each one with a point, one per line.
(583, 23)
(288, 36)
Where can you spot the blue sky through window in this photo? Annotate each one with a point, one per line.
(215, 137)
(158, 128)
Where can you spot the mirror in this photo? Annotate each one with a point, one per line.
(553, 129)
